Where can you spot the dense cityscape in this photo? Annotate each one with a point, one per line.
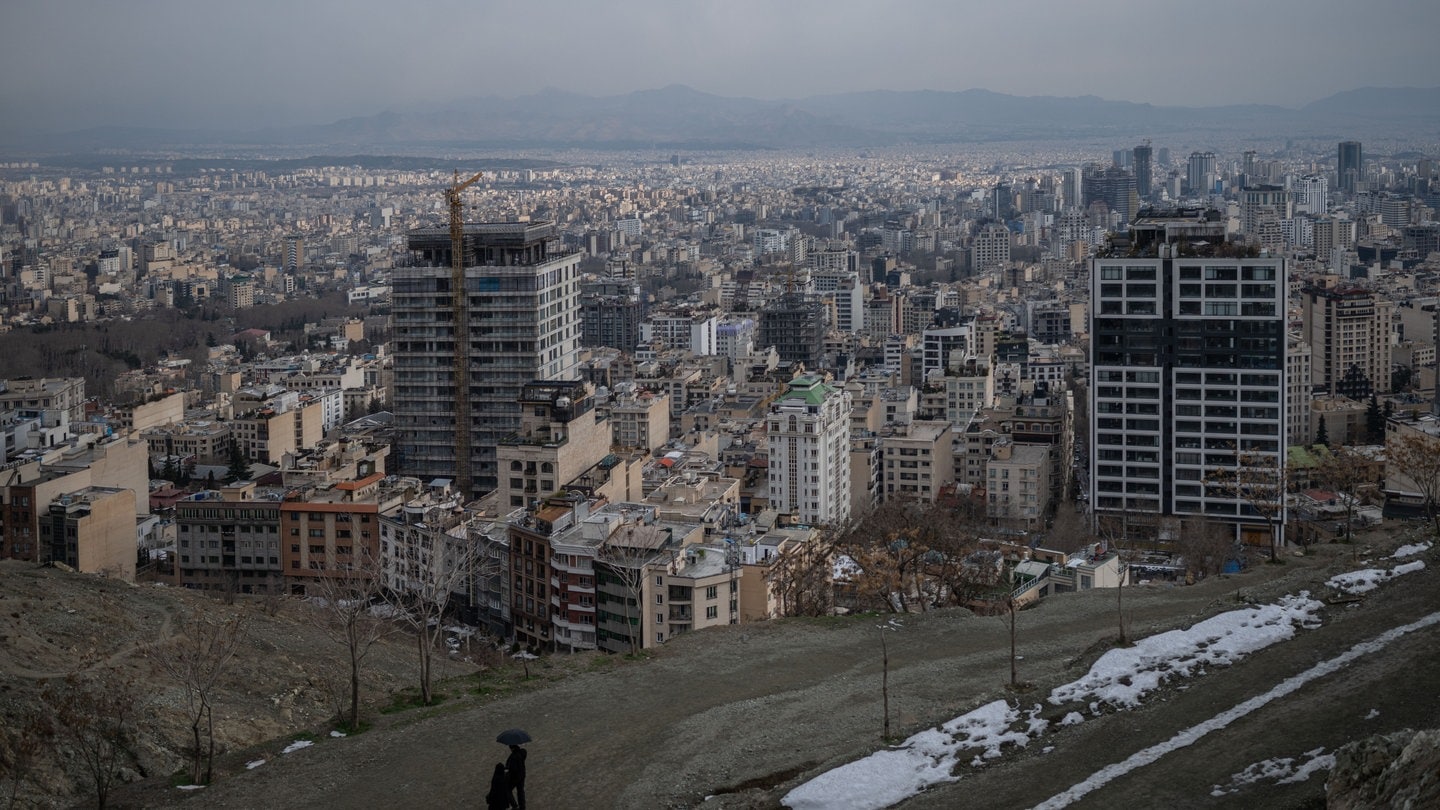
(581, 399)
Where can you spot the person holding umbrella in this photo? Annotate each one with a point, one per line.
(515, 765)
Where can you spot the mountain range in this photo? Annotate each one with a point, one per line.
(680, 117)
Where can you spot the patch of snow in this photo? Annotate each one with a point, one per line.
(1124, 675)
(253, 764)
(1047, 749)
(1372, 714)
(297, 745)
(337, 733)
(1072, 719)
(1410, 550)
(927, 758)
(1368, 579)
(190, 787)
(1280, 770)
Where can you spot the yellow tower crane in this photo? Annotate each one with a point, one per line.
(460, 310)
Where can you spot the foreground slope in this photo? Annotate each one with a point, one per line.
(742, 714)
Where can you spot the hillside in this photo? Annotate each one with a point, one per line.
(740, 714)
(743, 714)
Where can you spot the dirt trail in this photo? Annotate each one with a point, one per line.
(741, 714)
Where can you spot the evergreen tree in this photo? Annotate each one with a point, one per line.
(239, 469)
(1322, 435)
(1374, 422)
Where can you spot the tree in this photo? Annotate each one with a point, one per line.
(1259, 481)
(196, 658)
(1415, 457)
(892, 625)
(422, 590)
(94, 714)
(802, 577)
(344, 601)
(21, 745)
(623, 559)
(1322, 434)
(894, 548)
(1344, 471)
(1205, 545)
(239, 468)
(1374, 422)
(1111, 529)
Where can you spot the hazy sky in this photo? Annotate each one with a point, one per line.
(247, 63)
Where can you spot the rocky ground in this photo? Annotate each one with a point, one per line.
(735, 717)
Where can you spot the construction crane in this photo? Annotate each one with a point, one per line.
(460, 310)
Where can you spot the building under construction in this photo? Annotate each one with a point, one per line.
(522, 318)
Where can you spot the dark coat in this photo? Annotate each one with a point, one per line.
(515, 765)
(499, 796)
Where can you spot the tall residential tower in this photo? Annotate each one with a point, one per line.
(522, 295)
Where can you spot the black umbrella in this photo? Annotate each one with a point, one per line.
(513, 736)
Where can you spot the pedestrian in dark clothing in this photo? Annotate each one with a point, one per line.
(515, 772)
(499, 796)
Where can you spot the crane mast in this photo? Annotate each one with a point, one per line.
(460, 319)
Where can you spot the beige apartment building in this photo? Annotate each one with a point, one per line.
(1017, 490)
(92, 530)
(1349, 332)
(918, 462)
(560, 437)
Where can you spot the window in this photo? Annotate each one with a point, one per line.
(659, 618)
(712, 592)
(659, 598)
(712, 612)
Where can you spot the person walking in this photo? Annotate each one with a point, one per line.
(499, 796)
(515, 773)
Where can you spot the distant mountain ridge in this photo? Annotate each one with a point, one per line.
(677, 116)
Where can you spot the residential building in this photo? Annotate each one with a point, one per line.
(92, 530)
(1187, 376)
(808, 437)
(1349, 329)
(917, 462)
(558, 439)
(228, 540)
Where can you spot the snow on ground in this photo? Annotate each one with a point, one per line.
(926, 759)
(190, 787)
(1410, 550)
(1124, 675)
(253, 764)
(1120, 678)
(1280, 770)
(1358, 582)
(297, 745)
(1195, 733)
(334, 733)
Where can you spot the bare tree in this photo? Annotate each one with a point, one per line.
(344, 600)
(1205, 545)
(1416, 457)
(421, 592)
(196, 658)
(1344, 471)
(893, 548)
(892, 625)
(1259, 481)
(623, 559)
(94, 713)
(1111, 530)
(20, 747)
(802, 577)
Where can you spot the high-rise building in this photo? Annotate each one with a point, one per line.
(808, 434)
(991, 248)
(522, 300)
(611, 310)
(1115, 187)
(1349, 331)
(1312, 195)
(1071, 187)
(1187, 377)
(1144, 179)
(794, 324)
(1349, 167)
(1260, 203)
(1200, 173)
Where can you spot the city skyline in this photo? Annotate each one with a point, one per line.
(163, 64)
